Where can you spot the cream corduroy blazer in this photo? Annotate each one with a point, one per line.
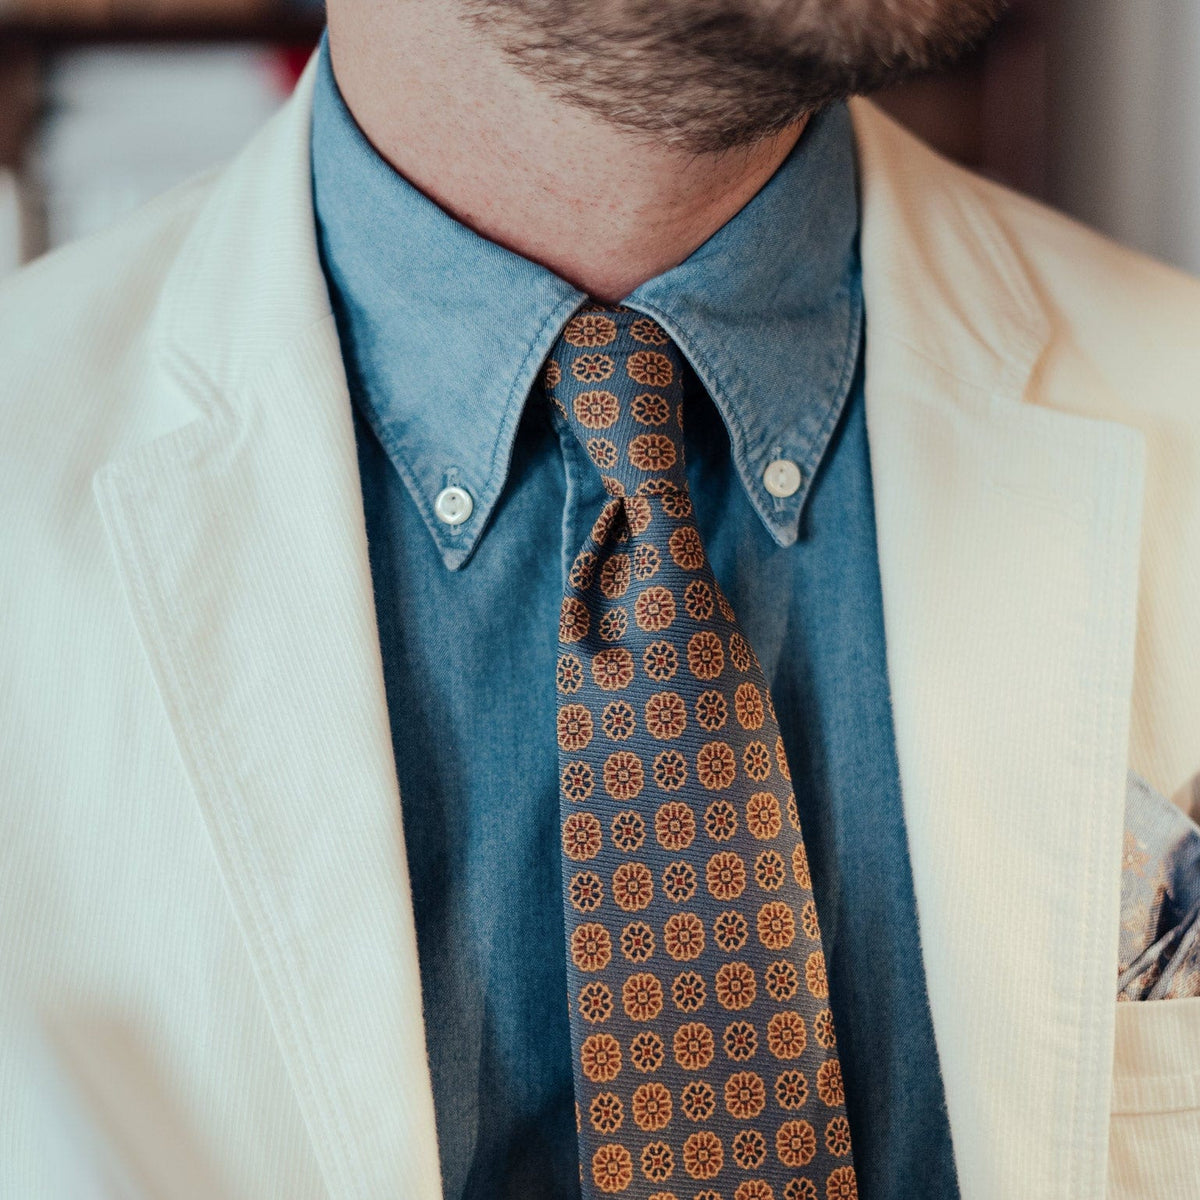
(208, 972)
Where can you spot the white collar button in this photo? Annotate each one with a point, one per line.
(453, 505)
(782, 478)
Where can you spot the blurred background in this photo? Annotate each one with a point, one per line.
(1091, 105)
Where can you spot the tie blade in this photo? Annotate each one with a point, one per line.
(705, 1054)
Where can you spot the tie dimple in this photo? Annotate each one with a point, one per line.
(705, 1063)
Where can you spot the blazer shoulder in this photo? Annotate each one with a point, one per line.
(75, 329)
(1133, 318)
(1125, 312)
(1091, 274)
(79, 307)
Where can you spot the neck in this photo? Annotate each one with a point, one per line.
(602, 207)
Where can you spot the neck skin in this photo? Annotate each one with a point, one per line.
(604, 208)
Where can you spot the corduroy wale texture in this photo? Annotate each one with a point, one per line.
(705, 1055)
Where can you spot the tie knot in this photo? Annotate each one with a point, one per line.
(617, 377)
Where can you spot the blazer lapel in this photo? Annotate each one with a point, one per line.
(240, 539)
(1008, 541)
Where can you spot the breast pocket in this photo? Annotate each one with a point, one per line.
(1154, 1146)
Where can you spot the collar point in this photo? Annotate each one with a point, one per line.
(785, 535)
(457, 558)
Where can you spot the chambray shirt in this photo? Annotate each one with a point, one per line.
(443, 333)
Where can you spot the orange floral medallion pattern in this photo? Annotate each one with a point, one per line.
(705, 1056)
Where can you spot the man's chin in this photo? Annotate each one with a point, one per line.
(710, 75)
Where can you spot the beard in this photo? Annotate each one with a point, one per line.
(703, 76)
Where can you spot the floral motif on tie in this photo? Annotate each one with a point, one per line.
(706, 1062)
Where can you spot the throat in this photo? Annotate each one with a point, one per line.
(602, 207)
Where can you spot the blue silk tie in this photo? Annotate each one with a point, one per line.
(706, 1064)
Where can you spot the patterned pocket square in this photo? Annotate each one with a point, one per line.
(1160, 899)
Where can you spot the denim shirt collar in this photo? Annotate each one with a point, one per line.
(445, 331)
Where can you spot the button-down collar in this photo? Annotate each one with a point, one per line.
(448, 330)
